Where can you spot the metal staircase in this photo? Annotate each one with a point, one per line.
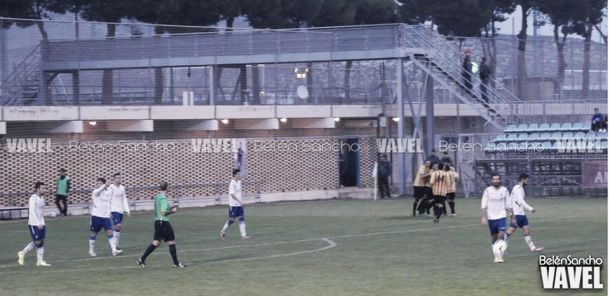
(22, 85)
(443, 62)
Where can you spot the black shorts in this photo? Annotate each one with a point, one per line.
(418, 191)
(60, 196)
(451, 195)
(427, 191)
(439, 199)
(164, 231)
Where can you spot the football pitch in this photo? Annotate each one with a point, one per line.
(336, 247)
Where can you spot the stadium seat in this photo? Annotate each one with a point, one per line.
(499, 138)
(556, 136)
(533, 127)
(523, 137)
(580, 135)
(511, 137)
(604, 145)
(567, 136)
(534, 137)
(555, 127)
(545, 136)
(580, 127)
(547, 146)
(521, 128)
(491, 147)
(601, 135)
(512, 146)
(545, 127)
(566, 127)
(510, 128)
(591, 135)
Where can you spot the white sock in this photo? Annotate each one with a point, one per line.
(40, 254)
(225, 228)
(28, 248)
(117, 235)
(242, 228)
(91, 245)
(112, 241)
(530, 243)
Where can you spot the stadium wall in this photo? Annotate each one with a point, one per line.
(269, 172)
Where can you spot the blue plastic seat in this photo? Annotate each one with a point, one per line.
(566, 126)
(567, 136)
(555, 127)
(510, 128)
(545, 136)
(545, 127)
(511, 137)
(579, 127)
(534, 137)
(580, 135)
(533, 127)
(523, 137)
(547, 146)
(521, 128)
(601, 135)
(499, 138)
(591, 135)
(556, 136)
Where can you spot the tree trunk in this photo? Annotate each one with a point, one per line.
(586, 65)
(521, 63)
(601, 33)
(43, 31)
(107, 76)
(347, 80)
(561, 64)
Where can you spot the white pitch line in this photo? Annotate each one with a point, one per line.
(303, 240)
(330, 244)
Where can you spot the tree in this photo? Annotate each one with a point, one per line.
(499, 10)
(561, 14)
(588, 14)
(527, 6)
(111, 12)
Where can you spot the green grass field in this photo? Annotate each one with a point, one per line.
(307, 248)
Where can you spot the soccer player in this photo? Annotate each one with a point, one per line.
(163, 229)
(419, 184)
(235, 207)
(451, 187)
(494, 205)
(36, 226)
(100, 217)
(118, 206)
(439, 179)
(519, 219)
(428, 200)
(62, 185)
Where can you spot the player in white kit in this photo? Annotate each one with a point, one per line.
(519, 219)
(100, 217)
(235, 207)
(36, 226)
(494, 205)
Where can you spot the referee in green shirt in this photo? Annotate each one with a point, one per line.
(163, 229)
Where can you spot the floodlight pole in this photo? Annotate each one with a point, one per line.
(401, 126)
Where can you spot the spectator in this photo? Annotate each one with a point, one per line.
(384, 170)
(432, 158)
(597, 121)
(446, 159)
(467, 70)
(484, 73)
